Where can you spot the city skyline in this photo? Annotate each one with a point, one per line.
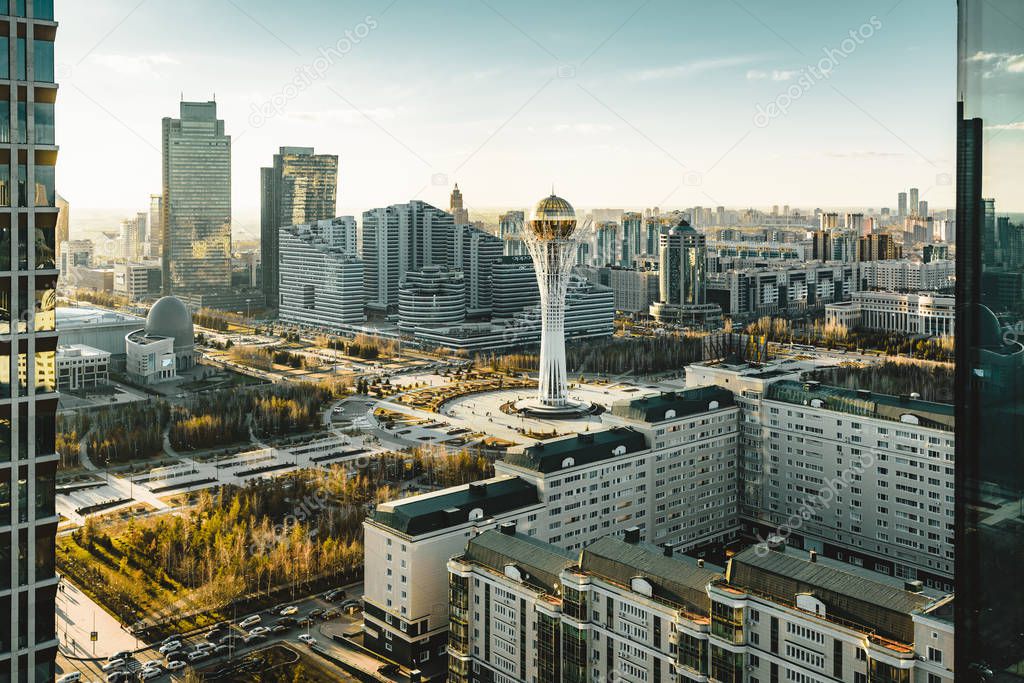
(572, 88)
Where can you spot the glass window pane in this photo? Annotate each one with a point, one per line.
(22, 134)
(5, 185)
(20, 74)
(43, 113)
(43, 60)
(42, 9)
(44, 194)
(5, 57)
(5, 121)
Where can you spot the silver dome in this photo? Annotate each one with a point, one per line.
(170, 318)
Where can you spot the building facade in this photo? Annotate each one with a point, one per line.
(432, 297)
(299, 188)
(923, 314)
(321, 278)
(196, 201)
(28, 341)
(907, 276)
(81, 367)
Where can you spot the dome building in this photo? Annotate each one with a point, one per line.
(165, 347)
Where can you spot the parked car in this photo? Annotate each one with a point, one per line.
(250, 621)
(216, 635)
(203, 647)
(335, 594)
(307, 639)
(286, 621)
(198, 655)
(123, 654)
(72, 677)
(316, 613)
(119, 677)
(259, 631)
(175, 665)
(330, 614)
(388, 669)
(147, 674)
(114, 665)
(170, 647)
(279, 628)
(304, 621)
(253, 637)
(289, 610)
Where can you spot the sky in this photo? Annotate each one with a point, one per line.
(621, 103)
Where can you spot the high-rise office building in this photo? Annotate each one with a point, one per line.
(510, 229)
(399, 239)
(196, 201)
(828, 221)
(683, 258)
(321, 278)
(300, 188)
(632, 238)
(922, 208)
(456, 208)
(878, 247)
(989, 353)
(28, 462)
(901, 204)
(914, 201)
(474, 252)
(156, 227)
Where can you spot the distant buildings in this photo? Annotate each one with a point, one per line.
(878, 247)
(474, 253)
(635, 290)
(915, 202)
(455, 207)
(753, 292)
(196, 201)
(510, 229)
(321, 279)
(74, 254)
(298, 189)
(907, 276)
(81, 367)
(165, 347)
(682, 271)
(97, 328)
(138, 281)
(910, 314)
(901, 203)
(431, 298)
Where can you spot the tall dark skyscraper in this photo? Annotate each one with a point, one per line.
(196, 201)
(28, 343)
(299, 189)
(989, 524)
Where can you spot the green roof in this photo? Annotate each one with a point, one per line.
(452, 506)
(539, 563)
(676, 579)
(674, 405)
(582, 449)
(865, 403)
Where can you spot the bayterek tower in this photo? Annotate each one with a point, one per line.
(549, 235)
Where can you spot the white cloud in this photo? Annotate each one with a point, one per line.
(774, 74)
(1016, 125)
(134, 65)
(1000, 61)
(692, 68)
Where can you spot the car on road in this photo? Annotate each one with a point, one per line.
(334, 594)
(150, 672)
(330, 614)
(304, 621)
(177, 656)
(216, 635)
(72, 677)
(279, 628)
(203, 647)
(316, 613)
(289, 610)
(123, 654)
(307, 639)
(114, 665)
(259, 631)
(253, 637)
(170, 647)
(171, 639)
(388, 669)
(198, 655)
(286, 621)
(176, 665)
(250, 621)
(120, 677)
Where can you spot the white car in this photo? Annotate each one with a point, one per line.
(114, 665)
(72, 677)
(250, 621)
(170, 647)
(289, 610)
(259, 631)
(175, 665)
(307, 639)
(147, 674)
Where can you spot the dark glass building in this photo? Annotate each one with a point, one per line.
(28, 341)
(989, 527)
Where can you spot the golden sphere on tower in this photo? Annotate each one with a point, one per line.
(552, 218)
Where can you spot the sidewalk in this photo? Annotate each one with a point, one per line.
(77, 616)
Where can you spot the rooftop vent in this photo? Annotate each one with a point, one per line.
(914, 395)
(477, 488)
(668, 549)
(508, 528)
(913, 586)
(812, 555)
(700, 562)
(632, 535)
(776, 542)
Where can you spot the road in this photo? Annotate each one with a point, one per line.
(92, 670)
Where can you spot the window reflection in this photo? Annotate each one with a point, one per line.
(46, 308)
(5, 497)
(43, 60)
(5, 185)
(44, 123)
(5, 121)
(46, 371)
(42, 9)
(45, 181)
(5, 425)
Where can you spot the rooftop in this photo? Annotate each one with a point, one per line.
(539, 563)
(866, 403)
(456, 505)
(673, 405)
(676, 579)
(581, 449)
(80, 351)
(80, 316)
(871, 600)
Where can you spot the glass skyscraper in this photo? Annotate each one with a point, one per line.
(299, 189)
(28, 341)
(989, 529)
(196, 202)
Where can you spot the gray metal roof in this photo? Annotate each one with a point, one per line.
(675, 404)
(582, 449)
(676, 579)
(539, 562)
(866, 403)
(880, 604)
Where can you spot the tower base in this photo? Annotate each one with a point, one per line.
(572, 410)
